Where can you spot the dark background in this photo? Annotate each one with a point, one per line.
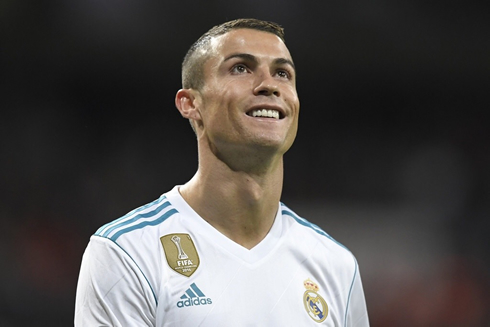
(391, 158)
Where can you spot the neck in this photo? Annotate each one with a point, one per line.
(240, 204)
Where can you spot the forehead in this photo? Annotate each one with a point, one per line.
(257, 43)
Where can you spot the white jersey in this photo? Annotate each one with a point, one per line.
(163, 265)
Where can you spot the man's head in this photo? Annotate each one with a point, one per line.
(192, 66)
(247, 100)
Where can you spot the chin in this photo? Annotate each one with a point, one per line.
(278, 146)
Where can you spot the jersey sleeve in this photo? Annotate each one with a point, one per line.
(356, 315)
(112, 291)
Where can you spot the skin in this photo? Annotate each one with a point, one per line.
(239, 180)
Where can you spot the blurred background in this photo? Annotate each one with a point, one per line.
(391, 158)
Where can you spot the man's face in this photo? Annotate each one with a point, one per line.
(249, 98)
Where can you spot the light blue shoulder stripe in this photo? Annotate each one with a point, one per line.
(137, 217)
(350, 292)
(304, 222)
(132, 212)
(161, 219)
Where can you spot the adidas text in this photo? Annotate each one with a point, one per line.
(195, 301)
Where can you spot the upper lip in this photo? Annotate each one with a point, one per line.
(282, 113)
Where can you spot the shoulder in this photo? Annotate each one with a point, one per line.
(133, 241)
(311, 228)
(322, 246)
(137, 234)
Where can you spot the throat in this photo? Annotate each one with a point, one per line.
(240, 205)
(245, 230)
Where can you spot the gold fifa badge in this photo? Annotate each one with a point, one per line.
(315, 305)
(181, 253)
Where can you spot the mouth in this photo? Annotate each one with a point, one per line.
(266, 113)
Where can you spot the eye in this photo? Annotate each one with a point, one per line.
(283, 73)
(239, 69)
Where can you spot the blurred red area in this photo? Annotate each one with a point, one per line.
(455, 294)
(48, 255)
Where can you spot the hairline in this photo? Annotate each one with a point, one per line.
(199, 53)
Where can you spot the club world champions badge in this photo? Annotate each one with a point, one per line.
(181, 253)
(315, 305)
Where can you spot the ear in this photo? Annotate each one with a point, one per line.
(187, 102)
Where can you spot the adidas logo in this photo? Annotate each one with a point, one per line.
(193, 296)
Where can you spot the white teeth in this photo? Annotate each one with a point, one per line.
(266, 113)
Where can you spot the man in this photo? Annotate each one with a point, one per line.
(221, 250)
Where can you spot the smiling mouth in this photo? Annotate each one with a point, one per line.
(266, 113)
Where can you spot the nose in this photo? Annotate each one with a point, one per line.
(267, 85)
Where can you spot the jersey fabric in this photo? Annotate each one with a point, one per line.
(163, 265)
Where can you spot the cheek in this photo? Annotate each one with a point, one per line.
(293, 102)
(226, 100)
(218, 92)
(291, 94)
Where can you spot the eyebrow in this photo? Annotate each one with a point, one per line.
(252, 58)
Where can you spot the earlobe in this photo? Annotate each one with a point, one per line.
(185, 101)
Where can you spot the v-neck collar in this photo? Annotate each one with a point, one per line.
(202, 227)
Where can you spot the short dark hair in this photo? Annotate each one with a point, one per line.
(192, 66)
